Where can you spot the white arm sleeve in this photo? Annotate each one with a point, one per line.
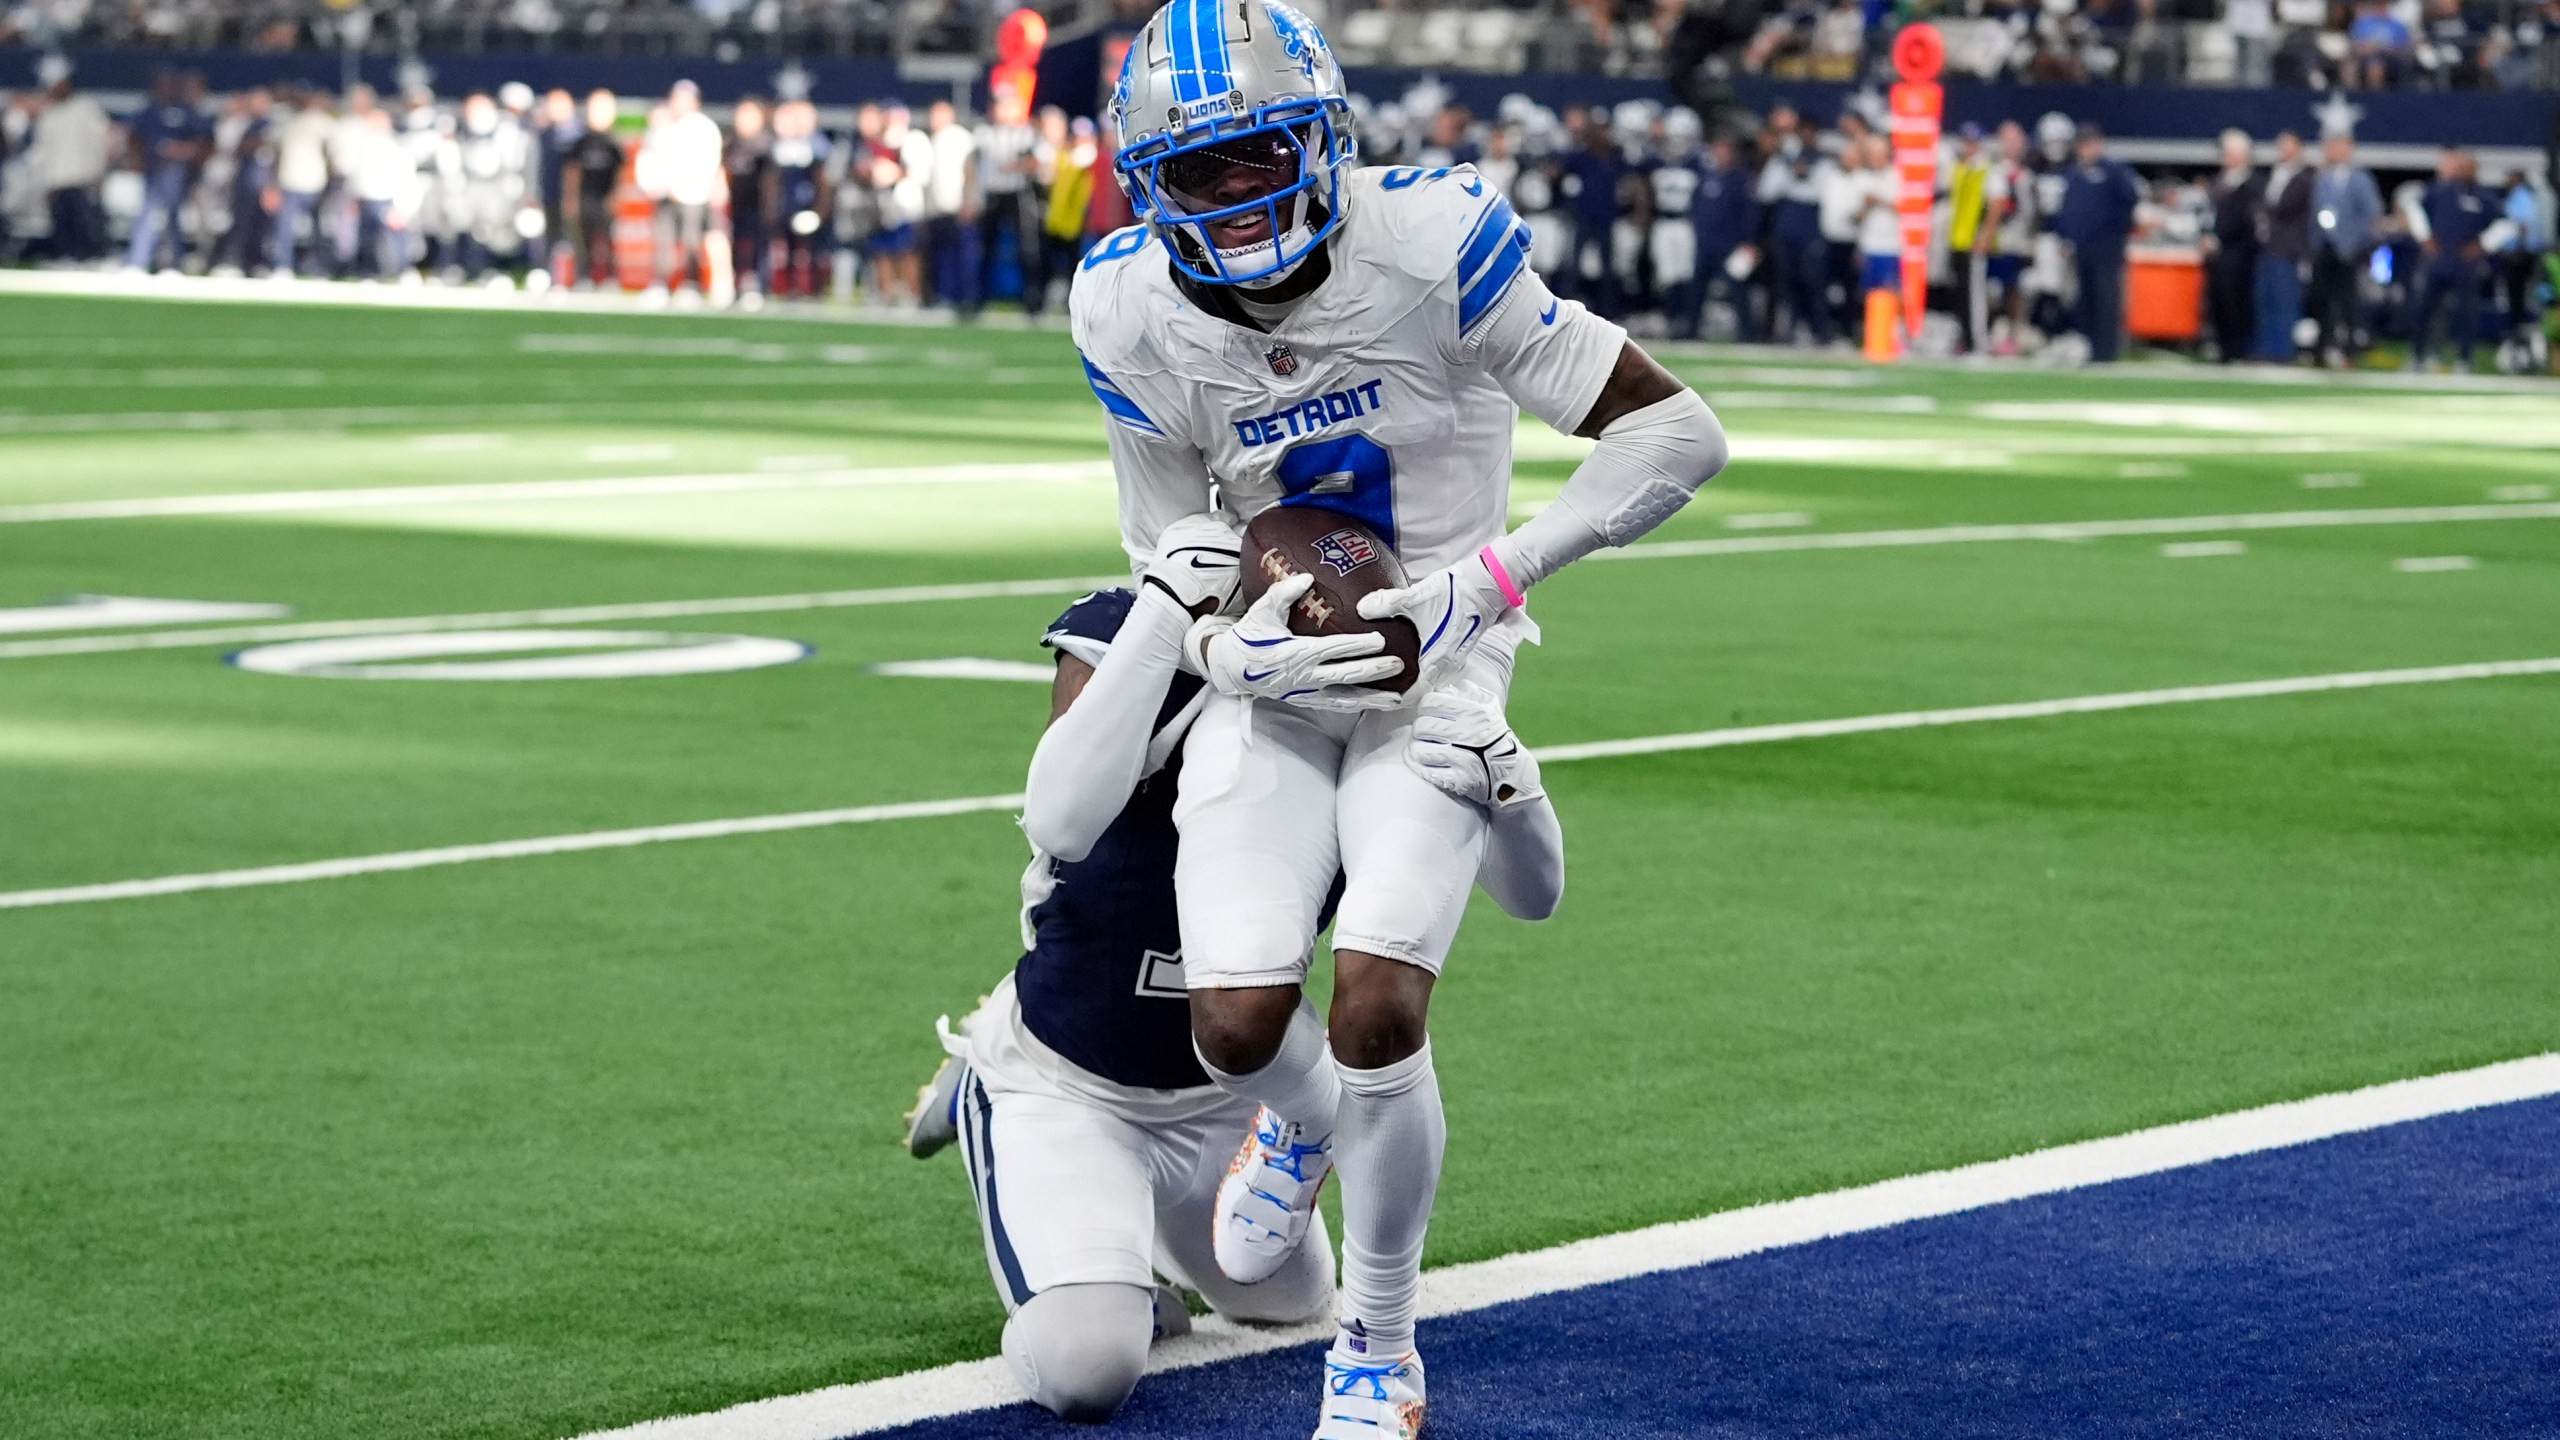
(1160, 482)
(1095, 754)
(1648, 462)
(1523, 867)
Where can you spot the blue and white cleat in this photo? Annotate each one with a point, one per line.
(934, 1125)
(1268, 1198)
(1367, 1397)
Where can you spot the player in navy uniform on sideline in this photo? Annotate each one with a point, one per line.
(1095, 1142)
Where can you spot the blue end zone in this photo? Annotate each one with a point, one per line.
(2398, 1282)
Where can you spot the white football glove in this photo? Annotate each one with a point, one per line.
(1196, 563)
(1452, 608)
(1465, 748)
(1257, 655)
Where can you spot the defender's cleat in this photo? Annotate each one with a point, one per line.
(935, 1122)
(1369, 1398)
(1268, 1197)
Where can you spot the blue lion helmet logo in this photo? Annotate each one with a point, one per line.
(1298, 36)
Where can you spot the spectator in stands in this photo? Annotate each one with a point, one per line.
(2010, 197)
(857, 199)
(902, 165)
(2528, 214)
(69, 152)
(1070, 196)
(1109, 209)
(2239, 196)
(252, 199)
(1842, 200)
(1879, 219)
(682, 155)
(170, 140)
(2096, 219)
(2378, 47)
(803, 158)
(302, 176)
(591, 170)
(495, 172)
(2459, 211)
(1791, 186)
(555, 130)
(2284, 249)
(340, 212)
(951, 209)
(2346, 212)
(1589, 183)
(387, 190)
(1972, 238)
(1011, 208)
(1727, 215)
(2252, 24)
(748, 158)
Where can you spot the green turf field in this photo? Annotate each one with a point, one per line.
(528, 1147)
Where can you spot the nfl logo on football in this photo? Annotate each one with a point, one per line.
(1284, 361)
(1344, 551)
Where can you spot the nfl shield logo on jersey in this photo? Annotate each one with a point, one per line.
(1284, 361)
(1344, 551)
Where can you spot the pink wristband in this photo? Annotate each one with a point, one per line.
(1502, 578)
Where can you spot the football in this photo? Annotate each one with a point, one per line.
(1348, 560)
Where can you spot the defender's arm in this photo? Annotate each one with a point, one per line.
(1101, 720)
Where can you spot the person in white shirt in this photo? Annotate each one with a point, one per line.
(1844, 192)
(681, 166)
(302, 176)
(1010, 161)
(1879, 218)
(951, 208)
(901, 165)
(68, 157)
(338, 212)
(383, 176)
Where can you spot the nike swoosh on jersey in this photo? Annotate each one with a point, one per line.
(1549, 318)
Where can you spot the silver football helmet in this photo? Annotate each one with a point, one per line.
(1235, 137)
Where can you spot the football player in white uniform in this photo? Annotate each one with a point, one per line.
(1283, 327)
(1094, 1142)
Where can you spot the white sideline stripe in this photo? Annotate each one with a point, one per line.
(2086, 529)
(2043, 709)
(2070, 530)
(843, 1410)
(563, 615)
(501, 850)
(1550, 754)
(271, 502)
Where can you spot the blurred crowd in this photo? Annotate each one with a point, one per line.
(2356, 44)
(1761, 228)
(2317, 44)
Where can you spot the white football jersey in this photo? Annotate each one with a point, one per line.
(1389, 393)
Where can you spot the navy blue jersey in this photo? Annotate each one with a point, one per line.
(1102, 982)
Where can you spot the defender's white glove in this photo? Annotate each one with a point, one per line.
(1465, 748)
(1452, 608)
(1196, 563)
(1257, 655)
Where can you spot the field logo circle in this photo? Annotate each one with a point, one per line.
(598, 655)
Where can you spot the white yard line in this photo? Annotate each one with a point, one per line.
(268, 502)
(2086, 530)
(501, 850)
(558, 615)
(843, 1410)
(2072, 530)
(1551, 754)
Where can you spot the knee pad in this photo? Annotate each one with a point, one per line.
(1079, 1349)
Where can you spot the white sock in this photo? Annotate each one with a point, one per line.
(1387, 1150)
(1299, 1084)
